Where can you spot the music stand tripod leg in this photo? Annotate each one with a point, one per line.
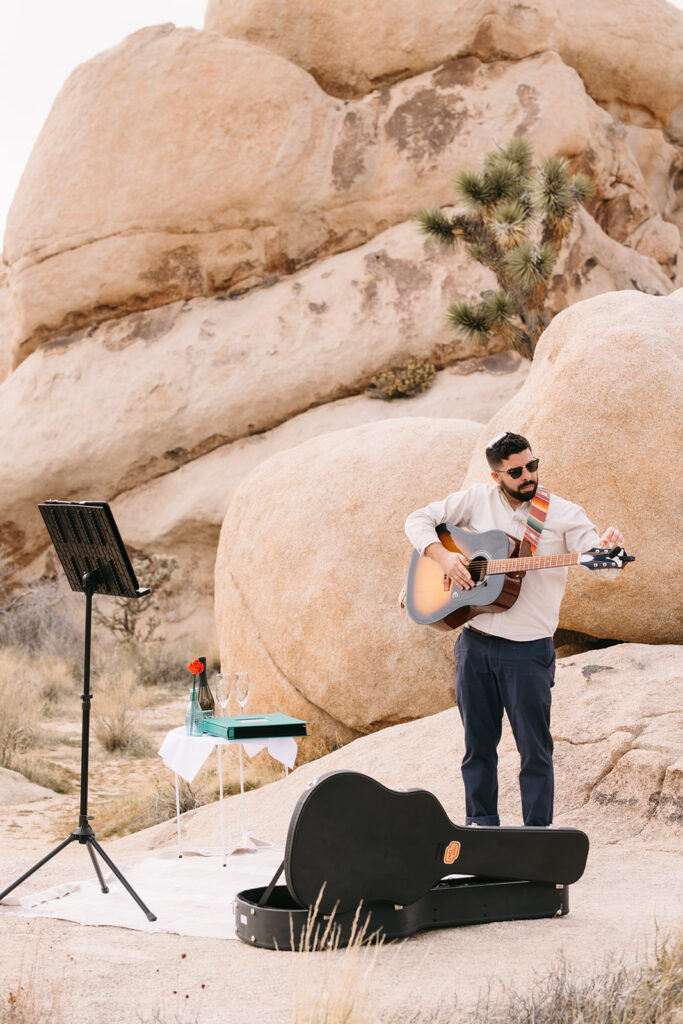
(98, 870)
(31, 871)
(129, 888)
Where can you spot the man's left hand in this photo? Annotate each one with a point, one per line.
(612, 538)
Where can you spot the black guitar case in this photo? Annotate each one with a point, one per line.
(352, 841)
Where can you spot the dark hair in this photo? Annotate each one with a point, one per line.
(503, 446)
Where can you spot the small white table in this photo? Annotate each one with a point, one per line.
(185, 755)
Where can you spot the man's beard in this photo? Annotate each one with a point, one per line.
(522, 494)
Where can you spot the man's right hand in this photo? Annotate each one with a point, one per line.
(454, 564)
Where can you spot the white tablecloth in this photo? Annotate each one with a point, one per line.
(185, 754)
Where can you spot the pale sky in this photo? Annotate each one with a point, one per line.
(42, 41)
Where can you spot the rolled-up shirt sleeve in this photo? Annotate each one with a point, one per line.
(580, 534)
(421, 525)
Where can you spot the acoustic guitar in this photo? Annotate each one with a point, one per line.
(497, 570)
(353, 839)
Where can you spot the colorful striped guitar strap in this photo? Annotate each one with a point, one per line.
(537, 514)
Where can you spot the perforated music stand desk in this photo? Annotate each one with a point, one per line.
(95, 561)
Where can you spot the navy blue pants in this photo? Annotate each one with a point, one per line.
(493, 675)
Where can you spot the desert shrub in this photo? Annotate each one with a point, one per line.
(116, 713)
(36, 616)
(153, 664)
(135, 621)
(149, 806)
(162, 805)
(19, 706)
(56, 678)
(403, 381)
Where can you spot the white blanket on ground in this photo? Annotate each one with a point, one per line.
(190, 896)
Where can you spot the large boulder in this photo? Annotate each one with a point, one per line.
(602, 408)
(16, 789)
(182, 163)
(351, 47)
(166, 158)
(311, 558)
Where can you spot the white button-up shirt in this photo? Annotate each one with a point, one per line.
(567, 528)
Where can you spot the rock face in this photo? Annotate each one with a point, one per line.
(617, 725)
(351, 49)
(195, 377)
(602, 407)
(15, 789)
(311, 558)
(6, 325)
(198, 377)
(243, 168)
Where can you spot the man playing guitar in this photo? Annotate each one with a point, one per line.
(506, 661)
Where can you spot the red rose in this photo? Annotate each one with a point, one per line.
(196, 667)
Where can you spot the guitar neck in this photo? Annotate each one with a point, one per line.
(505, 565)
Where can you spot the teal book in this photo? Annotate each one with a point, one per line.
(254, 727)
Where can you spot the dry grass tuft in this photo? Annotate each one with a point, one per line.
(19, 706)
(650, 993)
(116, 709)
(333, 986)
(32, 1000)
(46, 678)
(153, 664)
(44, 773)
(55, 678)
(149, 805)
(339, 991)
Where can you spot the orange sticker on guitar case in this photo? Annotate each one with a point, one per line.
(452, 852)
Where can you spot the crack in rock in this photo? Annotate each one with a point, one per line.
(634, 730)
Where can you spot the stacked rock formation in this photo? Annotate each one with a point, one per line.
(211, 251)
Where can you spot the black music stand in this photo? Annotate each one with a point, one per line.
(95, 561)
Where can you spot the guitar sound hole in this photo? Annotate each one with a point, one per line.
(477, 568)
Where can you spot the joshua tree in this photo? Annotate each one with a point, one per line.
(514, 221)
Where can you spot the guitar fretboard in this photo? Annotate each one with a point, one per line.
(526, 564)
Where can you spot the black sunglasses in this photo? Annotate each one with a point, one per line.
(517, 471)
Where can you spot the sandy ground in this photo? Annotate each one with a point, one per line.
(630, 891)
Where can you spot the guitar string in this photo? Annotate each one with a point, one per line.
(508, 565)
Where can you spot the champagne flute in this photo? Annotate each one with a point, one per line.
(222, 681)
(241, 696)
(242, 688)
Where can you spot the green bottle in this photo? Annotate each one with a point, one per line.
(204, 695)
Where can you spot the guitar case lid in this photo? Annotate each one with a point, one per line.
(352, 840)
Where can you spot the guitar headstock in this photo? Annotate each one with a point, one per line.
(605, 558)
